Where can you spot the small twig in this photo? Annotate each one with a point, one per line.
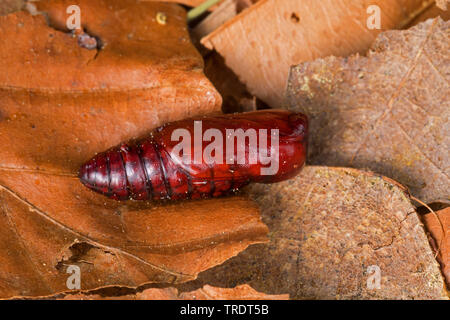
(200, 9)
(444, 234)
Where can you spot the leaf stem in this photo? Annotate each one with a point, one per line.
(444, 234)
(200, 9)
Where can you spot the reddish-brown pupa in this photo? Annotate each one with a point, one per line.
(219, 157)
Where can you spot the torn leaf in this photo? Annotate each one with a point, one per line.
(336, 233)
(263, 42)
(388, 112)
(242, 292)
(60, 103)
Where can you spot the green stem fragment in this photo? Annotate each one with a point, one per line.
(199, 10)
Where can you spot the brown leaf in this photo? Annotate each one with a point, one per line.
(190, 3)
(226, 10)
(8, 6)
(59, 105)
(195, 3)
(235, 95)
(442, 4)
(431, 12)
(242, 292)
(261, 43)
(440, 240)
(46, 229)
(388, 111)
(327, 226)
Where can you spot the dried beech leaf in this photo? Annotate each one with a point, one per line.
(191, 3)
(224, 12)
(434, 227)
(388, 111)
(59, 104)
(50, 222)
(195, 3)
(242, 292)
(8, 6)
(261, 43)
(431, 12)
(327, 227)
(235, 96)
(442, 4)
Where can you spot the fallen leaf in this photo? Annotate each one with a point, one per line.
(8, 6)
(388, 112)
(196, 3)
(59, 105)
(242, 292)
(439, 240)
(442, 4)
(330, 230)
(58, 223)
(190, 3)
(224, 12)
(261, 43)
(235, 95)
(431, 12)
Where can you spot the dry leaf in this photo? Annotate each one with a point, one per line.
(261, 43)
(190, 3)
(224, 12)
(438, 241)
(442, 4)
(242, 292)
(47, 229)
(388, 111)
(235, 96)
(8, 6)
(327, 227)
(59, 104)
(195, 3)
(431, 12)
